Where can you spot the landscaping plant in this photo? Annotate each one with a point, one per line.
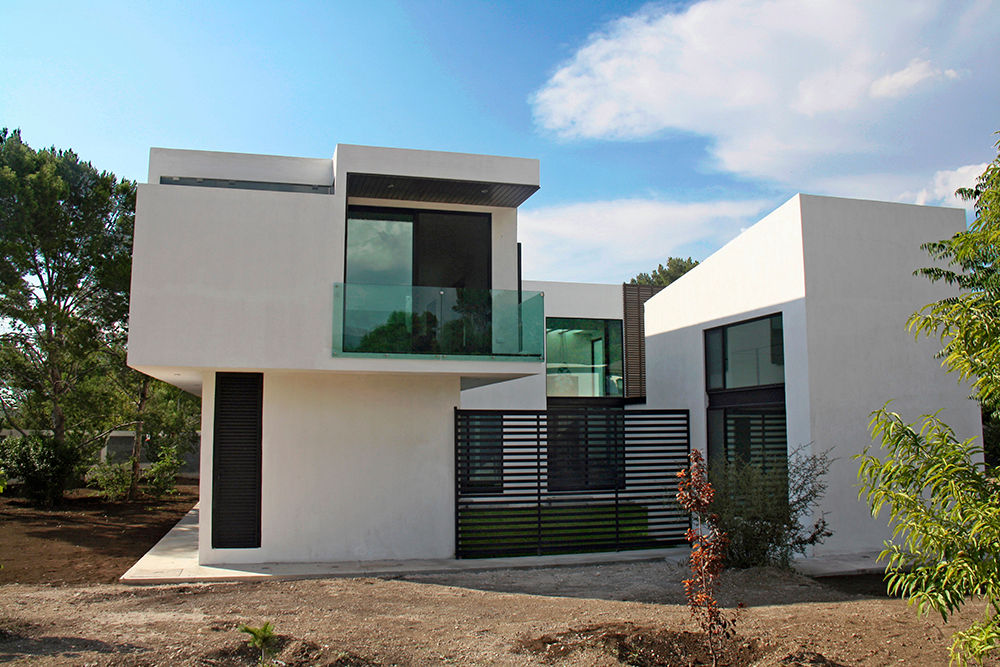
(765, 512)
(946, 524)
(708, 542)
(112, 479)
(262, 638)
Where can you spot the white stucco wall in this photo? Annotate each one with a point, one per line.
(562, 299)
(757, 273)
(860, 291)
(355, 467)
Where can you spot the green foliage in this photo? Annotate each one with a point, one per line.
(762, 511)
(3, 480)
(112, 479)
(946, 524)
(161, 478)
(262, 638)
(664, 275)
(65, 247)
(969, 324)
(45, 467)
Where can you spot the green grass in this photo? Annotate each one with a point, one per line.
(564, 529)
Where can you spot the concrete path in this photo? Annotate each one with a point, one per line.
(174, 559)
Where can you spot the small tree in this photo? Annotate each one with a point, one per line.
(946, 524)
(708, 544)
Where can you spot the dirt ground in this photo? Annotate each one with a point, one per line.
(595, 615)
(84, 539)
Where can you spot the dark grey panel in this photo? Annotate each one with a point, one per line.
(236, 461)
(246, 185)
(411, 188)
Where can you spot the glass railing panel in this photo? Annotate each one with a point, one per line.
(444, 322)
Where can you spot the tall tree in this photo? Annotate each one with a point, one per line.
(65, 261)
(664, 275)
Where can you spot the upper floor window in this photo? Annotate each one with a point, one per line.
(583, 357)
(423, 248)
(747, 354)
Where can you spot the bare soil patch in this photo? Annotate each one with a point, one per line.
(58, 612)
(85, 539)
(396, 622)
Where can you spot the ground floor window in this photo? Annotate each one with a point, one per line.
(745, 383)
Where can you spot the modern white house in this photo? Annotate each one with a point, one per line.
(378, 382)
(792, 334)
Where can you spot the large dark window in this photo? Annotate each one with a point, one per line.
(744, 377)
(417, 281)
(583, 357)
(393, 246)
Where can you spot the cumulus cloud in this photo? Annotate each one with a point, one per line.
(941, 190)
(610, 241)
(783, 88)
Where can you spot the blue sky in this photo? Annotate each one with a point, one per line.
(662, 129)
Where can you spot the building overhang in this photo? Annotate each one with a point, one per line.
(440, 190)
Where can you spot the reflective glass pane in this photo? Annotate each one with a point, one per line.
(751, 357)
(380, 249)
(714, 364)
(583, 357)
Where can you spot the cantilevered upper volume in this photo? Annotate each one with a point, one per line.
(269, 262)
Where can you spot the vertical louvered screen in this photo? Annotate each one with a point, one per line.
(633, 297)
(236, 460)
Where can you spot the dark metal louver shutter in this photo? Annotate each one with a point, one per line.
(236, 460)
(633, 296)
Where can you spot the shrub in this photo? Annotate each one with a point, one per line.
(161, 478)
(762, 511)
(44, 466)
(112, 479)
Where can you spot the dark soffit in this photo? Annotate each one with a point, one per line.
(443, 190)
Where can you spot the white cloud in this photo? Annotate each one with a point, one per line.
(610, 241)
(941, 189)
(790, 91)
(899, 83)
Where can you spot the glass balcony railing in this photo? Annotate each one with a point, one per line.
(443, 322)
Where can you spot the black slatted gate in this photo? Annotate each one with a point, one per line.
(533, 482)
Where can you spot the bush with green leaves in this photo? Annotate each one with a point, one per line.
(765, 511)
(942, 505)
(44, 467)
(112, 479)
(161, 477)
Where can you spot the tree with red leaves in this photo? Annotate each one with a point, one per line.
(695, 494)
